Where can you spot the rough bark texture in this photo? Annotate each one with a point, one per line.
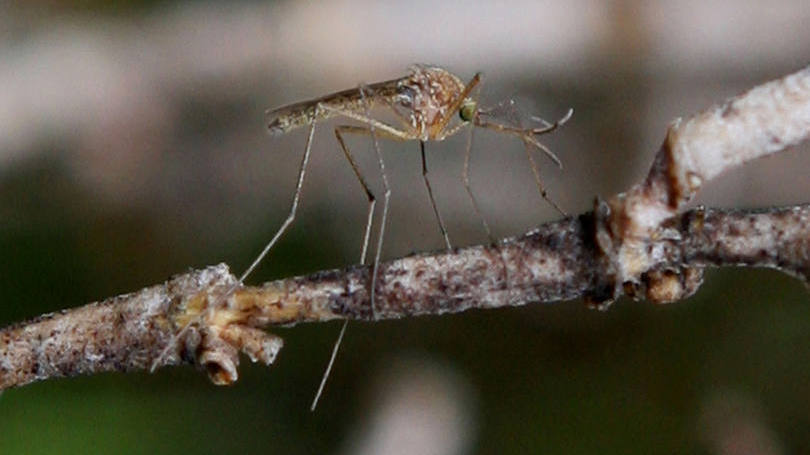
(123, 333)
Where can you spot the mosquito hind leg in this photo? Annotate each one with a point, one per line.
(372, 125)
(372, 200)
(430, 195)
(293, 208)
(284, 226)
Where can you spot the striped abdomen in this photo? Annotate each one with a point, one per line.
(292, 116)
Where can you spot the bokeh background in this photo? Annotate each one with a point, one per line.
(132, 147)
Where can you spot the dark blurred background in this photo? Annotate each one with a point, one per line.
(132, 147)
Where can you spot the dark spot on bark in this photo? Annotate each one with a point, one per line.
(734, 230)
(601, 293)
(674, 194)
(588, 223)
(553, 242)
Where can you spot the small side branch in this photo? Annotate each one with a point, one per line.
(764, 120)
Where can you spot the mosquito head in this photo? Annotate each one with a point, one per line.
(467, 110)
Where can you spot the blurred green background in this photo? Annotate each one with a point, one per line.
(132, 147)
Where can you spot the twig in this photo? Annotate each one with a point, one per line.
(637, 243)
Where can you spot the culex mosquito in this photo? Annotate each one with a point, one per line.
(426, 101)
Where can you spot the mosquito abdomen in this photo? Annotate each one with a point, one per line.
(287, 118)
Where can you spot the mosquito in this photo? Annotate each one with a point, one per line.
(425, 102)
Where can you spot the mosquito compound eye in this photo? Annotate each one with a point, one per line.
(467, 110)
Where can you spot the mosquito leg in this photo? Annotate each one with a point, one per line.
(328, 370)
(290, 218)
(527, 136)
(387, 196)
(293, 208)
(539, 131)
(430, 195)
(465, 175)
(466, 179)
(549, 127)
(538, 181)
(389, 132)
(386, 200)
(372, 201)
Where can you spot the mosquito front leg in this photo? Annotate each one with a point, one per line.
(552, 126)
(529, 139)
(527, 136)
(465, 175)
(539, 182)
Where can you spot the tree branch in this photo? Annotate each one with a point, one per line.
(637, 243)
